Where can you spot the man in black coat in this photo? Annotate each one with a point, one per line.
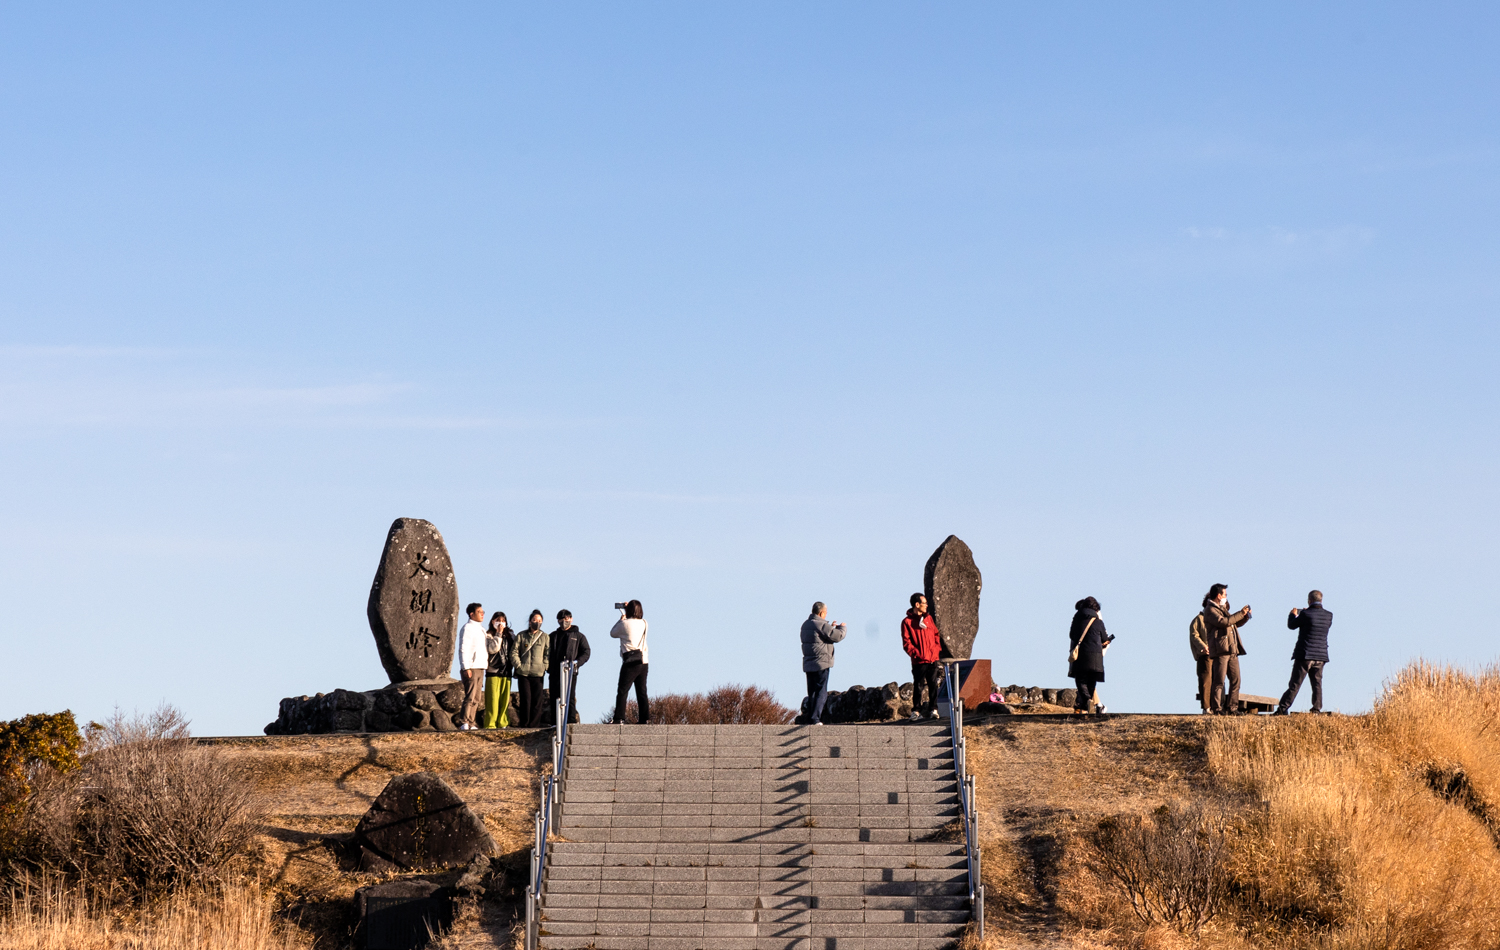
(1310, 653)
(568, 643)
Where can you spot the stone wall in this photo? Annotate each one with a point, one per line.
(858, 704)
(892, 701)
(1037, 694)
(413, 706)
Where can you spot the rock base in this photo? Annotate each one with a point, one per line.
(412, 706)
(858, 704)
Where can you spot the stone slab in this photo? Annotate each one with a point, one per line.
(413, 606)
(952, 583)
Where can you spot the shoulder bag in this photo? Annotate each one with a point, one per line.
(1073, 654)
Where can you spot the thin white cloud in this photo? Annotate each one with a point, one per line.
(147, 387)
(1328, 240)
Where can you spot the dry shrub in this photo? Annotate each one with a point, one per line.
(1353, 847)
(48, 915)
(1170, 866)
(731, 704)
(148, 813)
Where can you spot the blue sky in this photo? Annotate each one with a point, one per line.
(732, 308)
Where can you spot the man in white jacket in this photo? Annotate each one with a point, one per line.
(473, 658)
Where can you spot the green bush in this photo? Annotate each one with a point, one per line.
(29, 746)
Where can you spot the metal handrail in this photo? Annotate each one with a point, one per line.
(546, 816)
(966, 801)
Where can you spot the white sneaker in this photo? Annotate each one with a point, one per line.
(934, 715)
(915, 715)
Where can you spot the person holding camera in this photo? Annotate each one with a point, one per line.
(1310, 653)
(630, 630)
(818, 638)
(1224, 648)
(1087, 640)
(497, 687)
(528, 657)
(568, 644)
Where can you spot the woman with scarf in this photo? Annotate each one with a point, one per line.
(528, 658)
(497, 642)
(1086, 642)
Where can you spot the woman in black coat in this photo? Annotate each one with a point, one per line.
(1089, 638)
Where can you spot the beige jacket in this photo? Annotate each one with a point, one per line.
(1198, 638)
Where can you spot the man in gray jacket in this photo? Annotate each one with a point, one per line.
(818, 638)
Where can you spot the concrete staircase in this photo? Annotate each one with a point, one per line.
(723, 837)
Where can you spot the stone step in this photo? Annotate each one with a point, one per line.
(699, 837)
(877, 817)
(794, 935)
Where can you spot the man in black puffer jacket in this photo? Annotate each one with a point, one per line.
(568, 643)
(1310, 653)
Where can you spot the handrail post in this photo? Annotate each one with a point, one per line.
(968, 808)
(531, 923)
(547, 814)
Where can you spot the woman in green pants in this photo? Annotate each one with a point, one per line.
(497, 642)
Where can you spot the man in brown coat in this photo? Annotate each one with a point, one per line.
(1224, 647)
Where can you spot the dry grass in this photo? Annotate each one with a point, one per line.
(315, 788)
(1354, 847)
(49, 917)
(1346, 833)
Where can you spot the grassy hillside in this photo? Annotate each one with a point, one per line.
(1377, 831)
(1150, 832)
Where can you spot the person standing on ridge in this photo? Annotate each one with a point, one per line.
(635, 661)
(528, 657)
(1225, 647)
(568, 643)
(1198, 643)
(473, 658)
(1087, 639)
(818, 638)
(919, 638)
(1310, 653)
(497, 684)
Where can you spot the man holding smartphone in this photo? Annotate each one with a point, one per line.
(1224, 647)
(818, 638)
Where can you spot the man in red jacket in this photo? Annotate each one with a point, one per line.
(919, 638)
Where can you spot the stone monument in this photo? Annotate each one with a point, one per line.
(951, 582)
(413, 607)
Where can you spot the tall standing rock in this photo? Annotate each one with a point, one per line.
(952, 583)
(414, 603)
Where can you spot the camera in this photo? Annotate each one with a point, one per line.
(622, 606)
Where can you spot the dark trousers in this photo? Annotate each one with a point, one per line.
(924, 686)
(1205, 683)
(1304, 669)
(1226, 666)
(633, 673)
(554, 683)
(530, 706)
(817, 694)
(1085, 700)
